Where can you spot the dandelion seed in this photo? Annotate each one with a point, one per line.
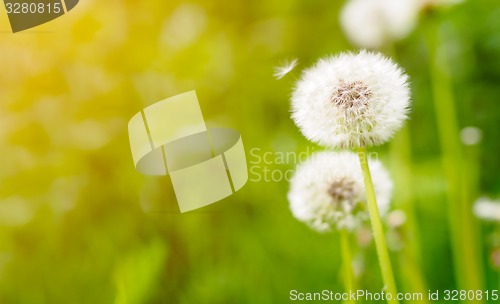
(287, 67)
(327, 191)
(351, 100)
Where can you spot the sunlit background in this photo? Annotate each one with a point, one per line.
(78, 224)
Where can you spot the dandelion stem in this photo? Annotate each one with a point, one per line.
(410, 260)
(378, 230)
(466, 257)
(347, 264)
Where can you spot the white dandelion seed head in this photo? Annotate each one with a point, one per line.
(373, 23)
(471, 136)
(487, 209)
(282, 70)
(327, 191)
(351, 100)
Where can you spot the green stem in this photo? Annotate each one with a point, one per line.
(402, 166)
(410, 260)
(378, 230)
(466, 257)
(492, 264)
(347, 263)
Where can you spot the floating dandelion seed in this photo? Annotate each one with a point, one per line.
(287, 67)
(327, 191)
(487, 209)
(351, 100)
(373, 23)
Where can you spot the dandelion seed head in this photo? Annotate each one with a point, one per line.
(342, 189)
(287, 67)
(487, 209)
(471, 136)
(327, 191)
(354, 95)
(374, 23)
(351, 100)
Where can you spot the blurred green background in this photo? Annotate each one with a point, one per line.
(78, 224)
